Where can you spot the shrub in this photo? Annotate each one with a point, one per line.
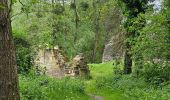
(24, 56)
(157, 73)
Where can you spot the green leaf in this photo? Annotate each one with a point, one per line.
(14, 1)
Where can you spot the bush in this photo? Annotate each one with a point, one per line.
(157, 73)
(24, 56)
(103, 82)
(133, 88)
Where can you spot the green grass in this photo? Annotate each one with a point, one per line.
(104, 69)
(100, 74)
(123, 87)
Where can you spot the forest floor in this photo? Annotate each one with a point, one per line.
(103, 85)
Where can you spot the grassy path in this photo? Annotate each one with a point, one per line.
(99, 71)
(96, 97)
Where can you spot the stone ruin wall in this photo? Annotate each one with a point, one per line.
(114, 49)
(78, 67)
(52, 62)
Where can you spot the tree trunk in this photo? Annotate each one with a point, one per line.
(128, 59)
(95, 47)
(76, 20)
(97, 29)
(8, 70)
(53, 36)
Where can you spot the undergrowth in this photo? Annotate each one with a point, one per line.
(47, 88)
(123, 87)
(104, 82)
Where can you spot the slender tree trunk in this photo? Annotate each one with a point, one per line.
(53, 23)
(128, 59)
(96, 40)
(8, 70)
(76, 20)
(96, 26)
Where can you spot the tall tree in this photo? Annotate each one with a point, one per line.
(74, 7)
(133, 8)
(96, 28)
(8, 71)
(76, 20)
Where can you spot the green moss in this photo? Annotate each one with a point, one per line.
(2, 6)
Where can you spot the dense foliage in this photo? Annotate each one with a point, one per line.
(24, 55)
(48, 25)
(153, 45)
(147, 43)
(140, 29)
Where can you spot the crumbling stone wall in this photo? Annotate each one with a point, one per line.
(52, 61)
(77, 67)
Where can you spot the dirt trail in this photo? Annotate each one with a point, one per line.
(96, 97)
